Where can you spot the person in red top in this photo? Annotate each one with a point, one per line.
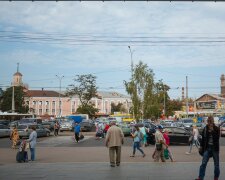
(167, 139)
(106, 129)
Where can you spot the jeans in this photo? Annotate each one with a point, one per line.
(32, 154)
(196, 142)
(136, 145)
(207, 154)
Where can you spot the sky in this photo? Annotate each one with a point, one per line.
(175, 40)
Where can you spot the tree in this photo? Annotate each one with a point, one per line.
(85, 88)
(6, 100)
(117, 108)
(174, 105)
(142, 90)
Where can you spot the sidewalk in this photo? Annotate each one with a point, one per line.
(102, 171)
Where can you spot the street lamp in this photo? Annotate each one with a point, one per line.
(132, 69)
(60, 81)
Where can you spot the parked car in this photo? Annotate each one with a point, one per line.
(25, 130)
(125, 128)
(5, 122)
(222, 130)
(66, 125)
(4, 131)
(49, 125)
(177, 135)
(30, 121)
(86, 125)
(186, 122)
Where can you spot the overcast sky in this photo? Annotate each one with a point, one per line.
(175, 39)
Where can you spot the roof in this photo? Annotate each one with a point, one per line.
(17, 74)
(41, 93)
(215, 96)
(106, 94)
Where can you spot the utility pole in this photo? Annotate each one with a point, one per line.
(164, 101)
(187, 107)
(60, 81)
(132, 69)
(13, 99)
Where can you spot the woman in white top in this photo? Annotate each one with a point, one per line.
(195, 134)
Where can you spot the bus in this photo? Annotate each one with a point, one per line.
(122, 117)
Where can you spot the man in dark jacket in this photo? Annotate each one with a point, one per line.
(209, 147)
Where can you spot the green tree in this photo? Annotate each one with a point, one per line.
(6, 100)
(117, 108)
(85, 88)
(174, 105)
(143, 92)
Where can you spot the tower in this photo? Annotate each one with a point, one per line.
(222, 79)
(17, 78)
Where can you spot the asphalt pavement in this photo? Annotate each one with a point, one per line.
(62, 158)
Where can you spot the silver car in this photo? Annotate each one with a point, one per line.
(4, 131)
(25, 130)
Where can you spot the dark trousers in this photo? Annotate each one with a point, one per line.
(210, 152)
(56, 132)
(77, 137)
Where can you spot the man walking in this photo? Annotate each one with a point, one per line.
(209, 147)
(159, 146)
(114, 140)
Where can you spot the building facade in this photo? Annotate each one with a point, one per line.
(44, 102)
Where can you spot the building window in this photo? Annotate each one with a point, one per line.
(46, 103)
(34, 103)
(47, 111)
(40, 111)
(53, 111)
(40, 103)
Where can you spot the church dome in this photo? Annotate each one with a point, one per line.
(17, 74)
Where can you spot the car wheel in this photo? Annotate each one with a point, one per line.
(48, 134)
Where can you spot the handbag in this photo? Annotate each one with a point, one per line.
(166, 153)
(190, 139)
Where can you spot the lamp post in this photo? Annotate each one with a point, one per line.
(132, 69)
(60, 81)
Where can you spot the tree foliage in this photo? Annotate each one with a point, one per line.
(118, 108)
(6, 100)
(85, 88)
(147, 95)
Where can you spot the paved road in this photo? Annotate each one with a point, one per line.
(102, 171)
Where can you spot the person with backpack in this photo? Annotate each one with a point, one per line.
(138, 136)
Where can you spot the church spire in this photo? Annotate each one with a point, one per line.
(18, 65)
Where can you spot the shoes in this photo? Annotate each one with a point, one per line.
(112, 165)
(118, 164)
(132, 156)
(187, 153)
(143, 155)
(198, 179)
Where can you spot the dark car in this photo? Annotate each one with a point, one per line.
(5, 122)
(49, 125)
(86, 125)
(4, 131)
(177, 135)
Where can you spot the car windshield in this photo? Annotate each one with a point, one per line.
(188, 121)
(22, 127)
(24, 121)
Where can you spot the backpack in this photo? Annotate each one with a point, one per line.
(141, 136)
